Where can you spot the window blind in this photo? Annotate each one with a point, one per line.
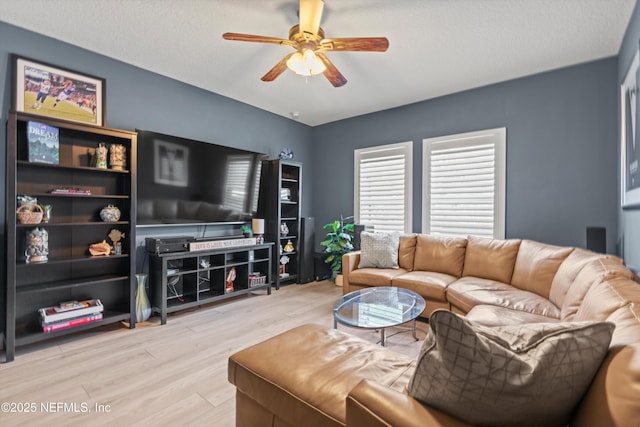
(383, 187)
(465, 187)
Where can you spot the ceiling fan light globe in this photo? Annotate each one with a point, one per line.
(306, 63)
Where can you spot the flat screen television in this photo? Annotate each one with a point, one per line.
(183, 181)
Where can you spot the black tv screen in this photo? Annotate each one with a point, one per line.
(183, 181)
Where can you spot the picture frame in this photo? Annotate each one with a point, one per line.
(630, 136)
(48, 90)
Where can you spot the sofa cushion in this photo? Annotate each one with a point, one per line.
(605, 297)
(594, 272)
(490, 258)
(533, 374)
(305, 374)
(567, 272)
(536, 264)
(431, 285)
(440, 254)
(406, 251)
(468, 292)
(493, 315)
(374, 276)
(379, 250)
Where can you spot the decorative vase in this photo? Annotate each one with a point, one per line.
(117, 156)
(143, 307)
(110, 213)
(100, 157)
(37, 245)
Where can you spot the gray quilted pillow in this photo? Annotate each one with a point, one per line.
(525, 375)
(379, 250)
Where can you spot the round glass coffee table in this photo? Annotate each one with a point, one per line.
(378, 307)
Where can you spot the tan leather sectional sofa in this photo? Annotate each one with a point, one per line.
(310, 376)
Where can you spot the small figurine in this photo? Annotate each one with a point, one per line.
(115, 236)
(231, 277)
(284, 260)
(289, 246)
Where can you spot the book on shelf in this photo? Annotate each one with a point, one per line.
(70, 323)
(50, 314)
(79, 191)
(43, 143)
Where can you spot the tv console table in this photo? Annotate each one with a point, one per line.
(182, 280)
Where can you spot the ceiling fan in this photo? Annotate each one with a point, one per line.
(310, 46)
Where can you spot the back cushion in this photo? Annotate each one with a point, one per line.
(603, 298)
(406, 251)
(596, 271)
(440, 254)
(490, 258)
(536, 265)
(567, 273)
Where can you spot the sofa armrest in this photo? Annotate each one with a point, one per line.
(370, 404)
(350, 262)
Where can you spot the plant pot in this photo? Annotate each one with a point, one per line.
(338, 280)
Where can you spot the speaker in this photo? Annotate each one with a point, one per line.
(306, 246)
(597, 239)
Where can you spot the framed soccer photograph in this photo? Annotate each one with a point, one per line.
(630, 136)
(52, 91)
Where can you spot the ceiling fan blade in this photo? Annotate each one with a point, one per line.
(310, 15)
(278, 69)
(256, 39)
(332, 74)
(356, 44)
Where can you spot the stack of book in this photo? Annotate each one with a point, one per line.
(70, 314)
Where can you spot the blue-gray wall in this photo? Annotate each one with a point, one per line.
(629, 220)
(561, 150)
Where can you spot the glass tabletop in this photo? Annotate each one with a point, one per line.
(378, 307)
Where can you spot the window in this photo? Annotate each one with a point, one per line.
(464, 184)
(383, 187)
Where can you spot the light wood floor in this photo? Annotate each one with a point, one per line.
(171, 375)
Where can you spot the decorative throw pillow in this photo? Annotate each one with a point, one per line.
(379, 250)
(525, 375)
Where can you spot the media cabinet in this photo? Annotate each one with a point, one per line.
(182, 280)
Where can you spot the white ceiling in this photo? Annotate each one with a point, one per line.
(436, 47)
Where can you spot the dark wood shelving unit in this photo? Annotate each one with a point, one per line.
(182, 280)
(70, 273)
(281, 203)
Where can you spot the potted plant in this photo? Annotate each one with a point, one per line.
(337, 243)
(246, 231)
